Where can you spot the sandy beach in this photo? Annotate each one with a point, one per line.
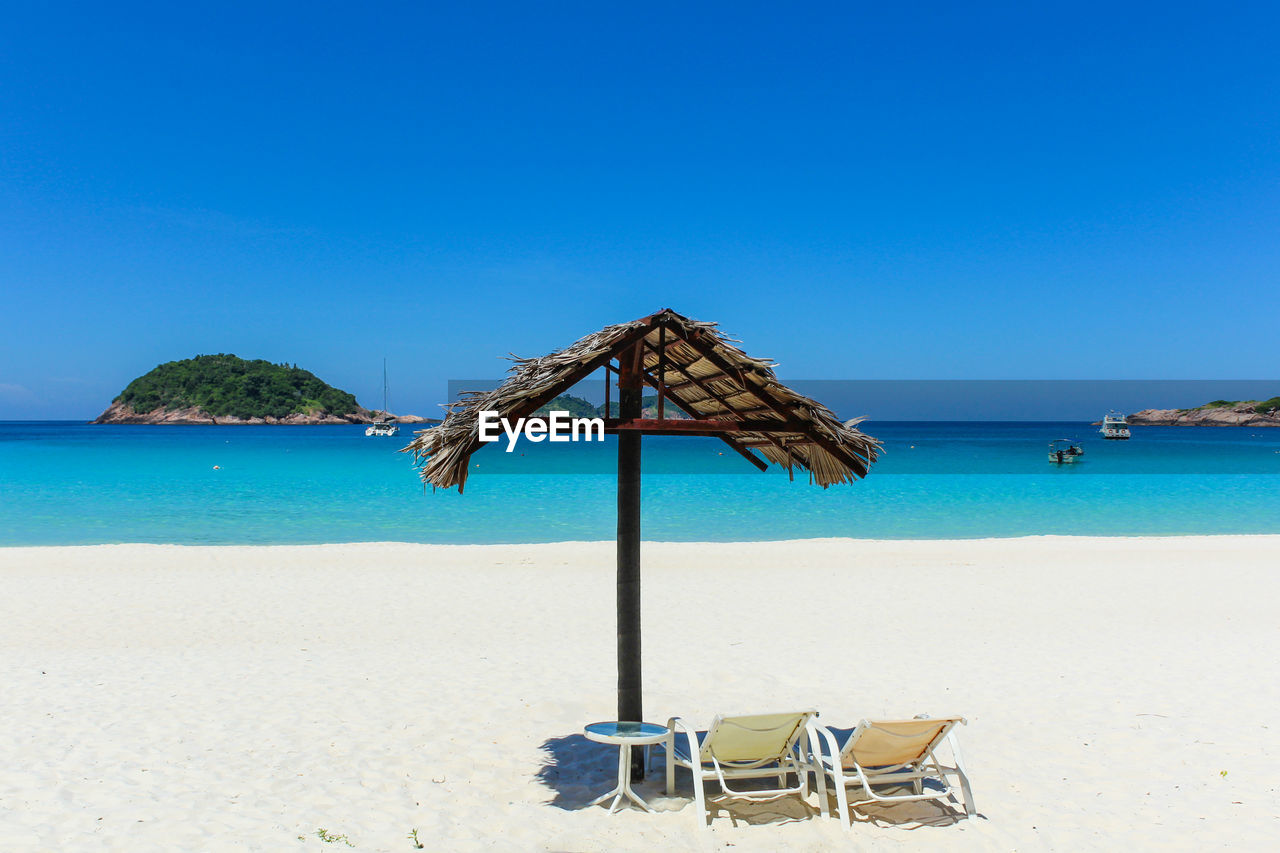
(1120, 692)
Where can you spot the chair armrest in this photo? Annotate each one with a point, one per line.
(818, 735)
(677, 724)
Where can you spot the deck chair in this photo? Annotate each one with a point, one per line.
(891, 753)
(760, 746)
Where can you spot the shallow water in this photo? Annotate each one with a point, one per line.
(71, 483)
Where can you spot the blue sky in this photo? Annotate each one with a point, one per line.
(859, 191)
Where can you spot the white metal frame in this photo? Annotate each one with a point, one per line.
(793, 756)
(829, 756)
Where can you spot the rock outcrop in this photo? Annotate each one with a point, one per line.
(1242, 414)
(121, 413)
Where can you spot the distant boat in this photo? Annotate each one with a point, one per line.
(1064, 451)
(383, 425)
(1114, 427)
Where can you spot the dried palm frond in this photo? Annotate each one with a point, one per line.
(699, 370)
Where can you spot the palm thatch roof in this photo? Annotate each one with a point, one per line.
(724, 391)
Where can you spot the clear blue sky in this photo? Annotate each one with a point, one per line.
(857, 190)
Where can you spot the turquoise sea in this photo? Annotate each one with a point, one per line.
(71, 483)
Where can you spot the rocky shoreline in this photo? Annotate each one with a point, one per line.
(1242, 415)
(120, 413)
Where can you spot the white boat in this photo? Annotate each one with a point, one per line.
(1114, 427)
(1064, 451)
(383, 426)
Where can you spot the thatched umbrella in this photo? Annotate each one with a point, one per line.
(723, 392)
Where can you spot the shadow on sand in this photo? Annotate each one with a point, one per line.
(578, 770)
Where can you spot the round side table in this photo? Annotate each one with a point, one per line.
(625, 735)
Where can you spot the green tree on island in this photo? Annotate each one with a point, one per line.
(226, 386)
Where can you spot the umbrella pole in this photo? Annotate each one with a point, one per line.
(630, 703)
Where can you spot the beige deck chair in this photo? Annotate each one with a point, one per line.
(760, 746)
(894, 753)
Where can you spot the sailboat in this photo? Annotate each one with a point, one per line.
(383, 425)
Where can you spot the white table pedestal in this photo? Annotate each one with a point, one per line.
(624, 788)
(625, 735)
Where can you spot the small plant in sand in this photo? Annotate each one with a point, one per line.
(413, 836)
(329, 838)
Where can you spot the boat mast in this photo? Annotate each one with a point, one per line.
(385, 412)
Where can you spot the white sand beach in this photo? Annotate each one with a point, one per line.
(1120, 693)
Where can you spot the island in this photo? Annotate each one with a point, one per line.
(1247, 413)
(225, 389)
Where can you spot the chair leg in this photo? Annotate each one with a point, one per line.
(820, 779)
(969, 809)
(700, 801)
(671, 767)
(842, 802)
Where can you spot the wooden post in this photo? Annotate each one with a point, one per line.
(662, 368)
(630, 704)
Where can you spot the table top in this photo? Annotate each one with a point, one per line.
(621, 731)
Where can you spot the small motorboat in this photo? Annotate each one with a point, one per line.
(1064, 451)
